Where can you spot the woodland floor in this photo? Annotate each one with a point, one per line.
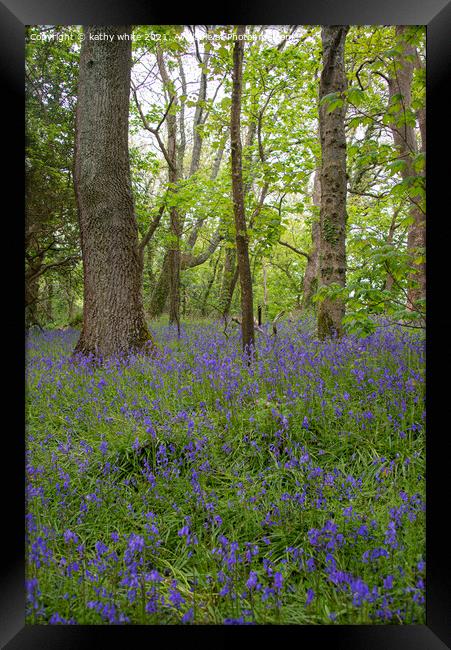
(192, 488)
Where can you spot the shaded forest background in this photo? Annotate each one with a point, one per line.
(180, 151)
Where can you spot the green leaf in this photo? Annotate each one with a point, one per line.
(356, 96)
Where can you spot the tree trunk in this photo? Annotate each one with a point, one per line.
(332, 256)
(230, 271)
(265, 285)
(310, 282)
(229, 279)
(405, 141)
(211, 281)
(31, 303)
(32, 296)
(161, 290)
(70, 308)
(247, 316)
(197, 138)
(113, 316)
(49, 301)
(162, 285)
(174, 253)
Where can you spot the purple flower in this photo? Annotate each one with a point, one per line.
(310, 596)
(70, 536)
(101, 548)
(252, 580)
(175, 597)
(278, 580)
(388, 582)
(183, 531)
(154, 576)
(188, 616)
(225, 590)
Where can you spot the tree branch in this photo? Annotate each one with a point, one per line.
(155, 132)
(53, 265)
(296, 250)
(153, 226)
(189, 260)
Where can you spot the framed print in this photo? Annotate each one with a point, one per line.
(234, 326)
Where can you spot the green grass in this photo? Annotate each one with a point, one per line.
(273, 452)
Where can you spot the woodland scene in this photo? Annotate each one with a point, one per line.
(225, 292)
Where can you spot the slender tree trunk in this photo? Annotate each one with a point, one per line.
(163, 283)
(242, 248)
(229, 280)
(405, 141)
(209, 286)
(149, 269)
(113, 316)
(332, 257)
(161, 290)
(265, 285)
(70, 308)
(197, 137)
(49, 301)
(230, 271)
(174, 253)
(310, 282)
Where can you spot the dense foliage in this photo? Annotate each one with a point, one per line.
(280, 111)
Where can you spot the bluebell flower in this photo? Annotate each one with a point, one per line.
(188, 616)
(252, 581)
(154, 576)
(310, 596)
(69, 536)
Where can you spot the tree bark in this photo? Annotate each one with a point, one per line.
(49, 301)
(310, 281)
(230, 270)
(197, 138)
(332, 256)
(242, 249)
(32, 295)
(174, 253)
(406, 144)
(211, 281)
(113, 316)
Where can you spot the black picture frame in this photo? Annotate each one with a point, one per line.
(436, 15)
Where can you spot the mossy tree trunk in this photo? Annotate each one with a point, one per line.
(405, 140)
(332, 255)
(113, 316)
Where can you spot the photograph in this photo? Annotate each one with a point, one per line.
(225, 314)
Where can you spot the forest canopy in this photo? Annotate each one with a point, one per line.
(179, 140)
